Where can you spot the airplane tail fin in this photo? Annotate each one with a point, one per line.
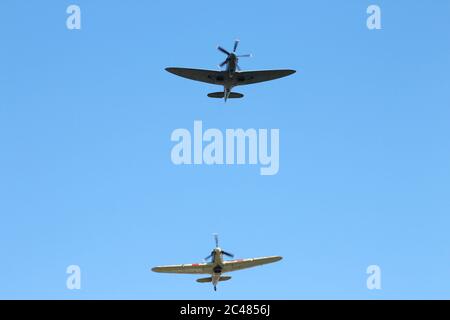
(233, 95)
(209, 279)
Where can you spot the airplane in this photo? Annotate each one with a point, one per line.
(232, 76)
(217, 267)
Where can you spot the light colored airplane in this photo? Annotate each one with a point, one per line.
(231, 76)
(217, 267)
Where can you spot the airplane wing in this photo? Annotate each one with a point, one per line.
(195, 268)
(250, 77)
(235, 265)
(208, 76)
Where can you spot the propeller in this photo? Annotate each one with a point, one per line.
(236, 43)
(228, 254)
(210, 256)
(216, 239)
(235, 46)
(223, 50)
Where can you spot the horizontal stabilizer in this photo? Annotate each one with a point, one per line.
(224, 278)
(209, 279)
(233, 95)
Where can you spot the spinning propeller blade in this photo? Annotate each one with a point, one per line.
(228, 254)
(216, 238)
(236, 43)
(209, 257)
(223, 50)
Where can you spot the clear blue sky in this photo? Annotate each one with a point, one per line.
(85, 170)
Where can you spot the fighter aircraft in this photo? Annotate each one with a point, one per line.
(217, 267)
(232, 76)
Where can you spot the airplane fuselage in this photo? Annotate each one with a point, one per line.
(232, 64)
(217, 267)
(230, 81)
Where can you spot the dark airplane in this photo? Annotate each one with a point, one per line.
(232, 76)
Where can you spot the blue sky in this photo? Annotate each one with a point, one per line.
(85, 170)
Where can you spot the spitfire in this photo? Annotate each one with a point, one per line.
(218, 266)
(232, 76)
